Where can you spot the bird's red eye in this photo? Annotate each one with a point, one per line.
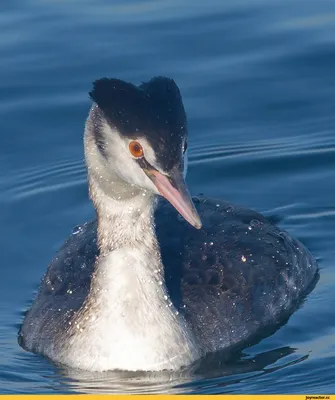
(136, 149)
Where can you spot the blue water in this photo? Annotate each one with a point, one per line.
(258, 82)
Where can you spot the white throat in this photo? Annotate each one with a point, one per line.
(128, 321)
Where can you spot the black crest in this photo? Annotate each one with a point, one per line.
(153, 110)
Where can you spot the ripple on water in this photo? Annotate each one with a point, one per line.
(314, 143)
(40, 179)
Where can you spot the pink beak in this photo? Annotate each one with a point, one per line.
(174, 189)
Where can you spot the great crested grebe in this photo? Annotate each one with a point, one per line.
(140, 288)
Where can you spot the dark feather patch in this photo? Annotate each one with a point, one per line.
(153, 110)
(116, 97)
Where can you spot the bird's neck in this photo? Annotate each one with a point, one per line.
(127, 243)
(128, 311)
(125, 222)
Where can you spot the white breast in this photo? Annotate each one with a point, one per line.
(129, 322)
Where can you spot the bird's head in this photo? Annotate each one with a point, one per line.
(139, 134)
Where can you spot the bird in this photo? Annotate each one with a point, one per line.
(159, 279)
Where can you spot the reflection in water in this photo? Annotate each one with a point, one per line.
(211, 371)
(243, 369)
(124, 382)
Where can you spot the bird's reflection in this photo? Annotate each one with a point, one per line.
(233, 369)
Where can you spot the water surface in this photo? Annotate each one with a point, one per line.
(258, 82)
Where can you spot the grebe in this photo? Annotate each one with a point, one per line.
(140, 288)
